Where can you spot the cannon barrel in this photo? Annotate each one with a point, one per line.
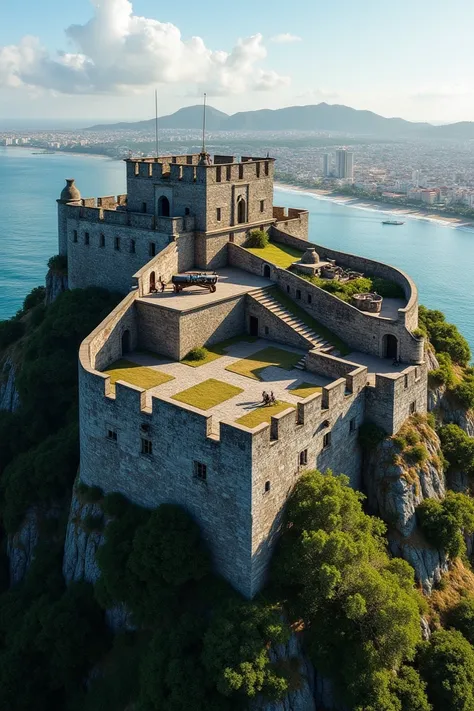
(194, 279)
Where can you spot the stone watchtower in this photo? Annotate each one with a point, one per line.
(69, 195)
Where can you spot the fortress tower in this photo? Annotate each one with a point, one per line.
(202, 437)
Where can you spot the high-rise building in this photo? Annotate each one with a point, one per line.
(416, 178)
(344, 164)
(326, 165)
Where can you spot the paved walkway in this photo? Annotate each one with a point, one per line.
(376, 365)
(274, 379)
(232, 282)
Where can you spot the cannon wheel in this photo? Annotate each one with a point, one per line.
(213, 288)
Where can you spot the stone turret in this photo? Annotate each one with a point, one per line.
(69, 194)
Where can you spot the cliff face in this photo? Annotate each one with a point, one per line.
(21, 547)
(55, 285)
(9, 398)
(395, 485)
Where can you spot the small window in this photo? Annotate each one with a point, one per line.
(147, 446)
(406, 381)
(132, 246)
(309, 298)
(218, 174)
(298, 294)
(137, 168)
(228, 172)
(303, 457)
(117, 244)
(241, 171)
(143, 206)
(327, 440)
(86, 238)
(218, 214)
(266, 167)
(186, 211)
(257, 167)
(267, 487)
(102, 240)
(152, 249)
(74, 236)
(412, 408)
(112, 435)
(353, 425)
(262, 205)
(288, 288)
(267, 330)
(231, 238)
(200, 471)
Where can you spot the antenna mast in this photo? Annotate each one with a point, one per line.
(204, 126)
(156, 123)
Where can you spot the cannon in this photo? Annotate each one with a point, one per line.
(205, 281)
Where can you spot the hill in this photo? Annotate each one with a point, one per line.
(187, 117)
(317, 117)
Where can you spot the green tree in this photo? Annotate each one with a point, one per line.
(447, 665)
(461, 617)
(445, 522)
(361, 608)
(458, 448)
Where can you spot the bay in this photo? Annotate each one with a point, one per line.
(439, 258)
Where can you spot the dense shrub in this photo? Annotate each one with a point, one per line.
(387, 288)
(58, 264)
(447, 665)
(458, 448)
(444, 336)
(258, 239)
(445, 522)
(89, 494)
(464, 392)
(461, 617)
(361, 608)
(198, 353)
(410, 690)
(370, 436)
(34, 298)
(444, 373)
(417, 454)
(10, 331)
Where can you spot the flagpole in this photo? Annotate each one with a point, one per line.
(156, 123)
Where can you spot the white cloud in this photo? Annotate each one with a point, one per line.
(286, 38)
(317, 95)
(119, 52)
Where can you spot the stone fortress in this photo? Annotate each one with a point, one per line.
(193, 213)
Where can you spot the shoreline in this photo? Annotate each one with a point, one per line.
(380, 206)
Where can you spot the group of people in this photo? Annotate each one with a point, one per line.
(268, 399)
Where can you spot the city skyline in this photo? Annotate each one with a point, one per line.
(107, 57)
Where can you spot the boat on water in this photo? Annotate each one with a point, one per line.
(392, 222)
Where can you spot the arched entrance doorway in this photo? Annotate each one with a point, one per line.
(126, 346)
(241, 210)
(266, 271)
(390, 346)
(152, 283)
(163, 207)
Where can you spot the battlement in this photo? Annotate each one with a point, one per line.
(193, 169)
(94, 210)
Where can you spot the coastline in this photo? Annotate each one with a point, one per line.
(384, 208)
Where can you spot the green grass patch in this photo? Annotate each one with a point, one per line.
(209, 356)
(263, 414)
(207, 394)
(136, 374)
(222, 347)
(280, 254)
(305, 390)
(250, 367)
(288, 303)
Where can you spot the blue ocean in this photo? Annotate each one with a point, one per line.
(440, 258)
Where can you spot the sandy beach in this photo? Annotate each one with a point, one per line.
(377, 206)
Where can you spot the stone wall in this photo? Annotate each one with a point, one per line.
(104, 345)
(176, 257)
(212, 324)
(276, 459)
(395, 397)
(294, 223)
(272, 327)
(158, 329)
(221, 505)
(361, 331)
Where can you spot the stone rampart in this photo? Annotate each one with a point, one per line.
(178, 256)
(361, 331)
(273, 327)
(290, 223)
(394, 398)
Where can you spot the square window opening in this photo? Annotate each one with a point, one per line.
(86, 238)
(102, 240)
(112, 435)
(132, 246)
(267, 486)
(298, 294)
(152, 249)
(303, 457)
(262, 205)
(117, 244)
(218, 214)
(327, 440)
(412, 408)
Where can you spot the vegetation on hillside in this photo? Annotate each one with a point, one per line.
(345, 290)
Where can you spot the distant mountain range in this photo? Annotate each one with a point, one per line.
(318, 117)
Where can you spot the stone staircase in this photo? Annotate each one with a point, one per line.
(265, 297)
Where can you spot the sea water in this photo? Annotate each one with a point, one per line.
(439, 258)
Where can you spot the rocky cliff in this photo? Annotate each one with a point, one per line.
(9, 398)
(398, 475)
(56, 283)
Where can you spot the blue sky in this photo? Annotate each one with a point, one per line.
(102, 59)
